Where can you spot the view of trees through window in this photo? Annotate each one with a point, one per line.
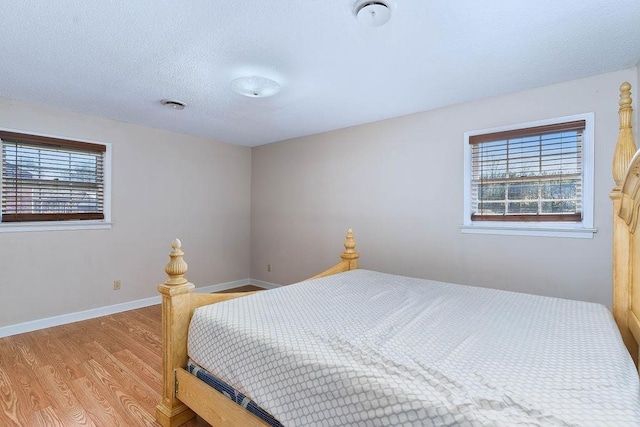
(40, 180)
(532, 175)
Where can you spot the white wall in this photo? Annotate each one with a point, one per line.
(165, 185)
(398, 184)
(298, 197)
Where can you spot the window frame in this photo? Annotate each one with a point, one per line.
(578, 229)
(80, 224)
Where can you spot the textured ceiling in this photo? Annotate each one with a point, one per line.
(117, 59)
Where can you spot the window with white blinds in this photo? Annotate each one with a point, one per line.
(531, 179)
(50, 179)
(528, 174)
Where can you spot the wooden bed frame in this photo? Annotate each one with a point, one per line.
(184, 395)
(626, 244)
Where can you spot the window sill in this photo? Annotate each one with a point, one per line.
(54, 226)
(542, 230)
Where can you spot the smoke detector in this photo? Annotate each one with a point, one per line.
(372, 13)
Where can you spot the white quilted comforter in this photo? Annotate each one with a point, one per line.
(364, 348)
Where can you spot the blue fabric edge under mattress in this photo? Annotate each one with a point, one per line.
(231, 393)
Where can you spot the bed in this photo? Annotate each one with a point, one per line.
(558, 362)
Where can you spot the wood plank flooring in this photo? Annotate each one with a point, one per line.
(98, 372)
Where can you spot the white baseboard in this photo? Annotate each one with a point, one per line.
(265, 285)
(63, 319)
(222, 286)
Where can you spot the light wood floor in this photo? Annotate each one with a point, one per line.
(98, 372)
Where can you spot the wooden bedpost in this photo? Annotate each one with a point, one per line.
(176, 314)
(622, 247)
(349, 258)
(350, 255)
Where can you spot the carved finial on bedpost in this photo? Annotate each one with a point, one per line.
(626, 147)
(350, 247)
(177, 267)
(349, 242)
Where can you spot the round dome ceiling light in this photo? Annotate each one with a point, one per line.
(255, 86)
(372, 13)
(176, 105)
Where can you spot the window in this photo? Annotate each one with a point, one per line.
(52, 181)
(535, 178)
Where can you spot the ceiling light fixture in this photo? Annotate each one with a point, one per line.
(255, 86)
(372, 13)
(176, 105)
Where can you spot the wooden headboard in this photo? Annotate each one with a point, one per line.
(626, 243)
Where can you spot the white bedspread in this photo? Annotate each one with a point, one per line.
(370, 349)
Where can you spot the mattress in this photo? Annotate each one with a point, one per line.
(231, 393)
(364, 348)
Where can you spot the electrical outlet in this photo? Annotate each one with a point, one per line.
(116, 285)
(268, 267)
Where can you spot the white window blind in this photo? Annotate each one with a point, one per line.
(530, 174)
(50, 179)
